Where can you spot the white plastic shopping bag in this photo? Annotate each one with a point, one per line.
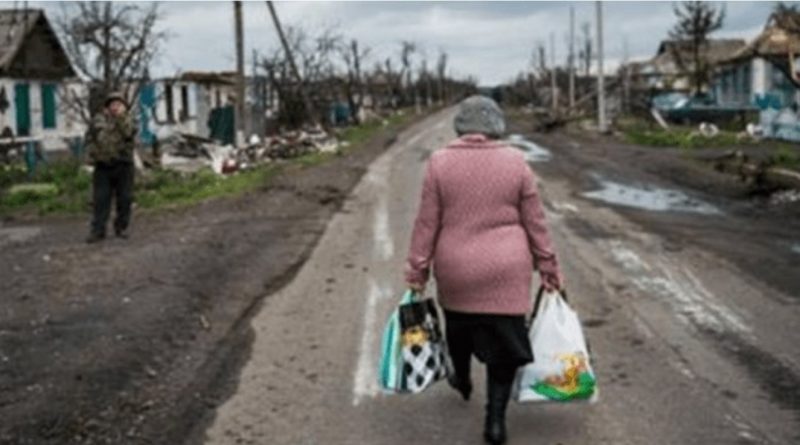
(560, 371)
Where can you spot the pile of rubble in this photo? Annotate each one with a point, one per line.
(189, 153)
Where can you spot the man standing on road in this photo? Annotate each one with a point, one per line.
(110, 143)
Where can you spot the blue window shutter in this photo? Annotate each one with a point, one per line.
(23, 109)
(48, 105)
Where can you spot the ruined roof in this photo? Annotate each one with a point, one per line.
(15, 25)
(777, 38)
(715, 51)
(216, 77)
(29, 47)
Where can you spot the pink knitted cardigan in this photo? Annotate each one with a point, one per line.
(481, 227)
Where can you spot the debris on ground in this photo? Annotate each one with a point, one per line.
(708, 130)
(784, 197)
(189, 153)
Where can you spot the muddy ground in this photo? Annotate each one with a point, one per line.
(760, 236)
(131, 342)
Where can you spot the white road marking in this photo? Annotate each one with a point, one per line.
(565, 207)
(365, 383)
(382, 236)
(680, 288)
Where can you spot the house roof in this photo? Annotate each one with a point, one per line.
(715, 51)
(774, 40)
(216, 77)
(15, 25)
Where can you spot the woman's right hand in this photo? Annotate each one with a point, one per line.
(418, 288)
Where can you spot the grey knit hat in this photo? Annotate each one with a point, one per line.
(479, 114)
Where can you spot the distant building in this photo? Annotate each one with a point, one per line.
(202, 103)
(663, 72)
(35, 74)
(762, 68)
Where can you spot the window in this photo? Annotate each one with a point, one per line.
(184, 102)
(168, 100)
(48, 105)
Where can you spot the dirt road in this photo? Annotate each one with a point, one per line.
(257, 320)
(689, 299)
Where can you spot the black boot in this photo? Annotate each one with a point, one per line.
(497, 400)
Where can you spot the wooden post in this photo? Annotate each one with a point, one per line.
(240, 79)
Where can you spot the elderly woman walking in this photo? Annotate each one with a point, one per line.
(481, 228)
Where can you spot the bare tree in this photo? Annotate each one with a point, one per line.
(441, 72)
(111, 45)
(290, 60)
(407, 48)
(696, 20)
(355, 90)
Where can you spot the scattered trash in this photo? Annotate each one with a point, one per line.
(784, 197)
(755, 130)
(708, 130)
(649, 198)
(189, 153)
(46, 258)
(796, 248)
(204, 323)
(533, 152)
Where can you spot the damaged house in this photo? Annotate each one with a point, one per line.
(766, 73)
(664, 72)
(35, 73)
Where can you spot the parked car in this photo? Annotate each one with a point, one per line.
(687, 109)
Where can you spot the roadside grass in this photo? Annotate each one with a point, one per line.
(64, 187)
(682, 137)
(775, 153)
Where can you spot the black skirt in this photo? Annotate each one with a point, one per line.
(492, 338)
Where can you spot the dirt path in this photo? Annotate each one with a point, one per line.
(133, 341)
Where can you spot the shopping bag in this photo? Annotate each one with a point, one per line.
(413, 350)
(561, 370)
(391, 367)
(423, 348)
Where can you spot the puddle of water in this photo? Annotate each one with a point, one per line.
(650, 198)
(533, 152)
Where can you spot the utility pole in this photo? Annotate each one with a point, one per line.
(571, 57)
(240, 79)
(626, 80)
(553, 71)
(601, 93)
(306, 101)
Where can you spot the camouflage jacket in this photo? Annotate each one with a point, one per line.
(111, 139)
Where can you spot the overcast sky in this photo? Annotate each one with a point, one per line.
(492, 41)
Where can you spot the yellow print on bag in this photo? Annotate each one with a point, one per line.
(414, 335)
(574, 365)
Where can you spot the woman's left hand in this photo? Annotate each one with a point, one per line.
(552, 282)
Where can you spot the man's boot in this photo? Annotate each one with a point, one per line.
(497, 400)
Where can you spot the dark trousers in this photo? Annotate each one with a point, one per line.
(112, 180)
